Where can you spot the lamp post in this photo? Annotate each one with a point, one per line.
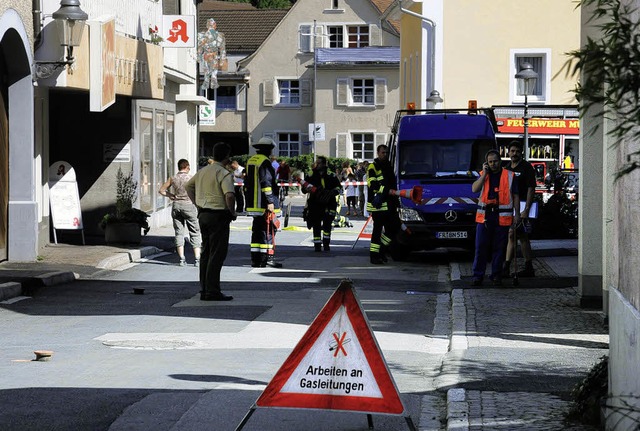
(527, 78)
(70, 21)
(434, 98)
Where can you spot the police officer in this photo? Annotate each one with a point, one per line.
(261, 195)
(323, 190)
(382, 206)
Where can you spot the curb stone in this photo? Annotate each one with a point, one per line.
(10, 290)
(126, 257)
(457, 410)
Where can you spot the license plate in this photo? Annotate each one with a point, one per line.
(451, 235)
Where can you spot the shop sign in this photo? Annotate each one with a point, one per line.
(207, 114)
(102, 89)
(178, 31)
(543, 126)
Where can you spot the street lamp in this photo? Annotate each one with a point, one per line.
(70, 21)
(527, 78)
(434, 98)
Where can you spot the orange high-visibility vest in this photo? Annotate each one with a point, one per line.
(505, 203)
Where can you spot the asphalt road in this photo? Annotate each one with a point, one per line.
(166, 360)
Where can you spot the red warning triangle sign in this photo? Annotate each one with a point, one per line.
(367, 229)
(336, 365)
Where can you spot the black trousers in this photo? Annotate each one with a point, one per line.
(239, 198)
(262, 239)
(387, 220)
(214, 226)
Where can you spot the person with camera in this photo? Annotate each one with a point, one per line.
(526, 175)
(498, 189)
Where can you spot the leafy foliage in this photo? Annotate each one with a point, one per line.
(609, 67)
(267, 4)
(126, 195)
(589, 393)
(301, 163)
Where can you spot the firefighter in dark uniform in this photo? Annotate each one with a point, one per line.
(261, 194)
(325, 187)
(382, 206)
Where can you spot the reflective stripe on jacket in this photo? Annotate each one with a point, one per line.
(260, 185)
(381, 179)
(505, 201)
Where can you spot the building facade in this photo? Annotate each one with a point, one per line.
(123, 101)
(337, 76)
(18, 154)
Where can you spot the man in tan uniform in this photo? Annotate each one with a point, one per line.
(211, 189)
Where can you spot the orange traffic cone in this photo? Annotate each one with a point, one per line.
(414, 193)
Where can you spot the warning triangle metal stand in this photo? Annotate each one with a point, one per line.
(336, 365)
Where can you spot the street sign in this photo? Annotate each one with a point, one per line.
(207, 114)
(337, 365)
(316, 132)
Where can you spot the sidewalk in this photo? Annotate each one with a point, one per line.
(62, 263)
(517, 352)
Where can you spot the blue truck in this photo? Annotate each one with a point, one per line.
(442, 152)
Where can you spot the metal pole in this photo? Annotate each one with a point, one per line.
(315, 90)
(526, 129)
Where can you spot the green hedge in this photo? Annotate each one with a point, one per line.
(298, 163)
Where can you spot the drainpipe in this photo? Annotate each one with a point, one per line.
(37, 23)
(432, 24)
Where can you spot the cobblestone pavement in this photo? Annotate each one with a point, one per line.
(523, 351)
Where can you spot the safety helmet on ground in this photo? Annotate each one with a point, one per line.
(264, 143)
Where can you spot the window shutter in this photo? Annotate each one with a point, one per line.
(268, 87)
(304, 149)
(342, 92)
(305, 92)
(319, 38)
(381, 91)
(375, 35)
(305, 38)
(241, 97)
(341, 144)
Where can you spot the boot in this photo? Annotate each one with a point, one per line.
(325, 244)
(528, 270)
(317, 247)
(271, 261)
(506, 269)
(375, 258)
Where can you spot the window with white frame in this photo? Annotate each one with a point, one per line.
(286, 93)
(225, 97)
(288, 144)
(539, 60)
(358, 36)
(363, 146)
(289, 92)
(361, 91)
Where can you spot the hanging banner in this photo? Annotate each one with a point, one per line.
(63, 197)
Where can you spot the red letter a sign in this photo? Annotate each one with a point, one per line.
(337, 365)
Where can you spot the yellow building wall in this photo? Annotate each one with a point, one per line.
(410, 51)
(478, 37)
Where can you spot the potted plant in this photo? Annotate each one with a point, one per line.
(124, 225)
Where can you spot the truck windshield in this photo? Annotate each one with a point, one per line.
(435, 159)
